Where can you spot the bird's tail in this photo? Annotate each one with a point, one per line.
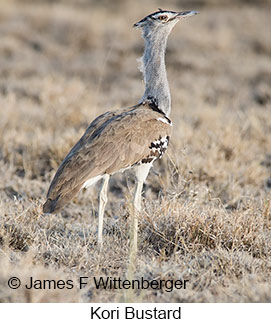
(53, 205)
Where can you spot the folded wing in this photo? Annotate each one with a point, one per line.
(112, 142)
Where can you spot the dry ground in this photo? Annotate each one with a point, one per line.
(207, 213)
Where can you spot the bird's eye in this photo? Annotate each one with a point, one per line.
(163, 18)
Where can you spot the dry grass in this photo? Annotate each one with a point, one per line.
(207, 215)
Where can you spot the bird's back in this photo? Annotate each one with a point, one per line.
(113, 142)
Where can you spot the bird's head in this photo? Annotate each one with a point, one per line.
(161, 20)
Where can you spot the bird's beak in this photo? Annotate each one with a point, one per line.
(185, 14)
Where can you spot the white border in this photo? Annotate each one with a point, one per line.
(219, 312)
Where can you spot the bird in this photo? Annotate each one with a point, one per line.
(127, 138)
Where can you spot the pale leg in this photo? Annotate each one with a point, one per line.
(102, 203)
(136, 210)
(142, 172)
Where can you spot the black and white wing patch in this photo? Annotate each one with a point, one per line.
(157, 149)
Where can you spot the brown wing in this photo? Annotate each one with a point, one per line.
(113, 141)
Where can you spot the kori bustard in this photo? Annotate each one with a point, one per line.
(130, 137)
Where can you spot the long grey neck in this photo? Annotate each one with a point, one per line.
(154, 71)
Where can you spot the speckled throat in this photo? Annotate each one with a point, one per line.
(154, 70)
